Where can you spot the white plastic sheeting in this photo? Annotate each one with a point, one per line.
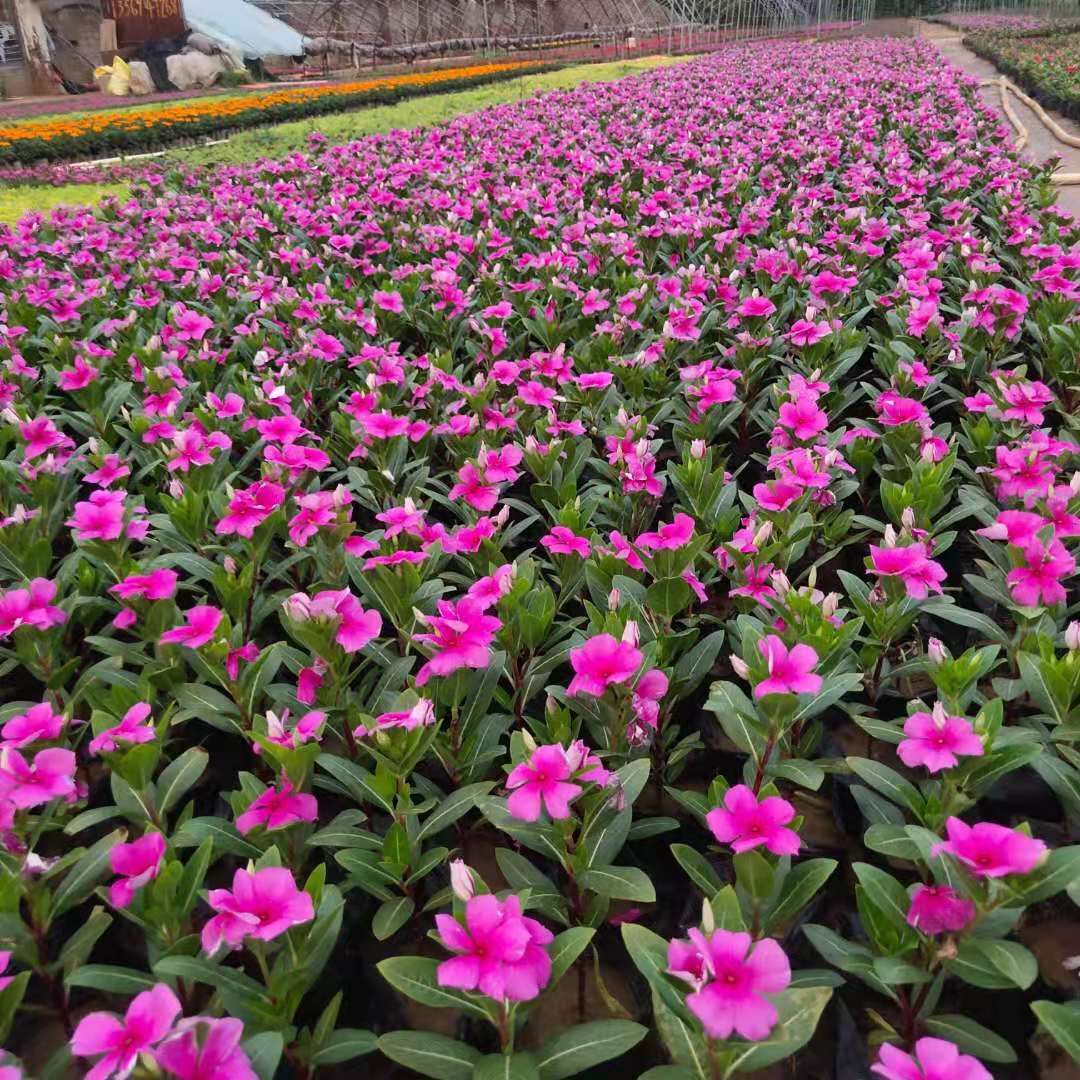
(242, 28)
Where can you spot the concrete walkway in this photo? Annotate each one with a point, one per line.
(1041, 143)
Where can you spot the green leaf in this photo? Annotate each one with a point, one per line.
(685, 1040)
(800, 886)
(414, 976)
(604, 836)
(668, 1072)
(81, 880)
(111, 979)
(799, 1012)
(1063, 1022)
(619, 883)
(971, 1037)
(179, 776)
(566, 948)
(1036, 684)
(804, 773)
(578, 1049)
(187, 891)
(538, 837)
(727, 912)
(891, 841)
(11, 998)
(391, 916)
(994, 965)
(521, 874)
(226, 840)
(697, 868)
(359, 783)
(886, 893)
(80, 945)
(753, 873)
(264, 1053)
(887, 781)
(453, 807)
(344, 1045)
(430, 1054)
(506, 1067)
(668, 596)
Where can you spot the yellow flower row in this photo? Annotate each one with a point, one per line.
(202, 109)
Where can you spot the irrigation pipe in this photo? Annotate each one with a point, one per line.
(1007, 86)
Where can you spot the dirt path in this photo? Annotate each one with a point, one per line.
(1041, 143)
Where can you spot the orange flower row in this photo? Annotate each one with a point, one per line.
(202, 109)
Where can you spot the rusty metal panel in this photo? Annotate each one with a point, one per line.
(144, 20)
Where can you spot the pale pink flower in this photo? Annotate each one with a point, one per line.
(201, 623)
(23, 784)
(740, 975)
(937, 740)
(148, 1020)
(421, 714)
(989, 850)
(132, 729)
(38, 724)
(307, 729)
(790, 671)
(602, 662)
(501, 953)
(460, 637)
(937, 908)
(278, 808)
(262, 904)
(137, 863)
(744, 822)
(934, 1059)
(203, 1048)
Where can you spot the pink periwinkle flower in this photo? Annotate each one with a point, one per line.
(501, 953)
(601, 662)
(249, 508)
(262, 904)
(919, 573)
(23, 784)
(137, 863)
(934, 1059)
(149, 1018)
(460, 637)
(155, 585)
(132, 729)
(938, 908)
(101, 517)
(552, 779)
(738, 974)
(201, 623)
(746, 822)
(564, 541)
(648, 691)
(938, 740)
(38, 724)
(204, 1048)
(5, 980)
(790, 671)
(355, 626)
(989, 850)
(32, 607)
(278, 808)
(1038, 580)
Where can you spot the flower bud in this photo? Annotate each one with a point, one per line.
(297, 607)
(708, 919)
(740, 666)
(176, 489)
(630, 633)
(230, 565)
(763, 534)
(936, 652)
(1072, 636)
(697, 449)
(461, 880)
(907, 518)
(613, 600)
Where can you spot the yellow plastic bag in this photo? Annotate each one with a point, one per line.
(116, 79)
